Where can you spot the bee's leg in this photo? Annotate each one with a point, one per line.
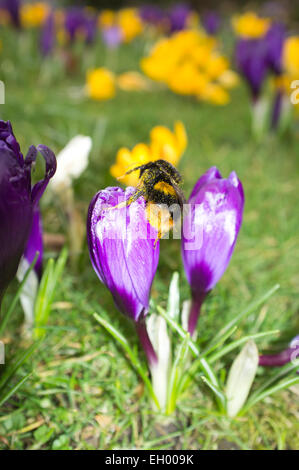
(159, 235)
(136, 195)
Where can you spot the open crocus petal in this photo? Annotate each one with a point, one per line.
(210, 229)
(291, 353)
(122, 253)
(72, 160)
(17, 199)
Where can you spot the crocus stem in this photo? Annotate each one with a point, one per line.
(146, 342)
(259, 116)
(283, 357)
(195, 312)
(275, 360)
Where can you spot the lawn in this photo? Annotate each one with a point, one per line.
(83, 392)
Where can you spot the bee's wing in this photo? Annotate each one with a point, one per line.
(179, 193)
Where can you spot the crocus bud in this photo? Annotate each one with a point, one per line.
(47, 38)
(210, 229)
(72, 160)
(13, 8)
(78, 22)
(252, 62)
(124, 253)
(18, 200)
(211, 22)
(241, 377)
(157, 331)
(178, 17)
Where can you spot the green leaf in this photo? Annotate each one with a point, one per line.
(203, 362)
(6, 394)
(176, 375)
(266, 393)
(253, 306)
(7, 315)
(11, 369)
(230, 347)
(281, 372)
(219, 395)
(133, 358)
(46, 292)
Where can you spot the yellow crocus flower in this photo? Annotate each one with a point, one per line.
(250, 25)
(34, 14)
(106, 18)
(130, 23)
(291, 56)
(164, 144)
(100, 84)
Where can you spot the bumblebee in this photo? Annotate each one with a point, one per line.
(159, 184)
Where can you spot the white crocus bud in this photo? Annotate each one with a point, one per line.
(240, 377)
(29, 292)
(157, 331)
(71, 162)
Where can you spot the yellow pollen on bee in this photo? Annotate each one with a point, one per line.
(164, 188)
(159, 217)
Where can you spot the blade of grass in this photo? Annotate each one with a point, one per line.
(10, 370)
(175, 379)
(176, 327)
(217, 392)
(46, 292)
(202, 361)
(6, 395)
(16, 297)
(280, 386)
(253, 306)
(284, 370)
(133, 358)
(222, 340)
(238, 342)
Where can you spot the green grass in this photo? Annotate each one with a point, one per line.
(83, 393)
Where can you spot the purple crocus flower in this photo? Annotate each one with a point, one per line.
(152, 14)
(123, 254)
(252, 61)
(35, 243)
(112, 36)
(210, 230)
(178, 17)
(13, 8)
(18, 200)
(211, 22)
(74, 22)
(91, 29)
(283, 357)
(77, 21)
(47, 40)
(274, 40)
